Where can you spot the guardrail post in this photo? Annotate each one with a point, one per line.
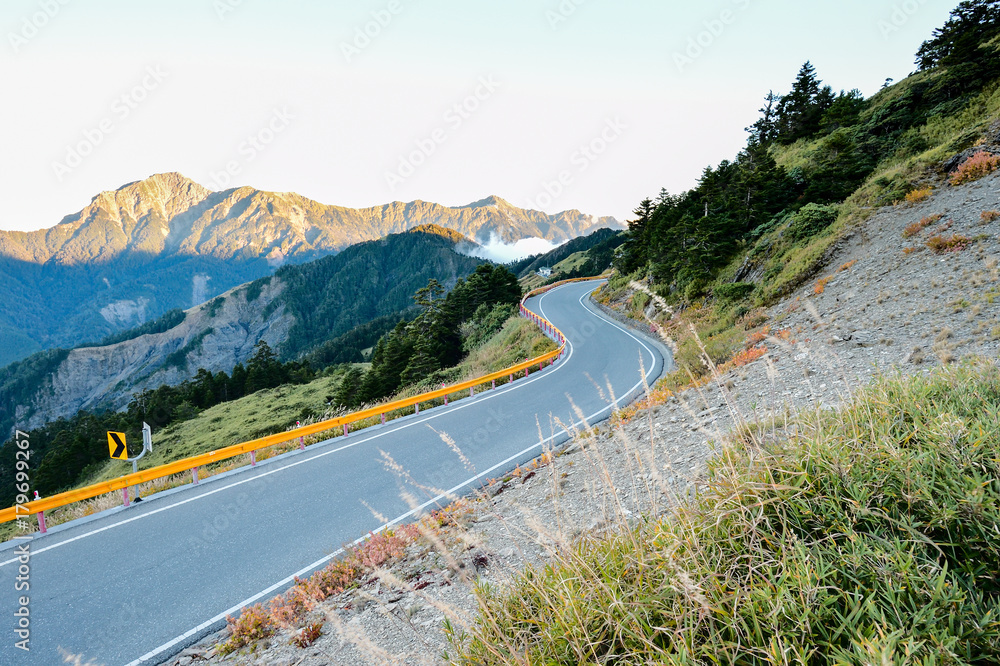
(41, 522)
(417, 411)
(472, 392)
(383, 419)
(345, 430)
(253, 458)
(512, 378)
(445, 397)
(125, 495)
(494, 385)
(302, 440)
(541, 365)
(194, 475)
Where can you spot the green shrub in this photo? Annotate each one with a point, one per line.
(694, 289)
(810, 220)
(734, 291)
(486, 322)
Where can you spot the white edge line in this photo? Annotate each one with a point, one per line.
(208, 623)
(461, 405)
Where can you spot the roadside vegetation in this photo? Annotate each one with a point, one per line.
(861, 536)
(67, 451)
(816, 165)
(495, 340)
(438, 338)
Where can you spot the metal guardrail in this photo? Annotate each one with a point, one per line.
(40, 506)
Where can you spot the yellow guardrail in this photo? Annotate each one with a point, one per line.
(39, 506)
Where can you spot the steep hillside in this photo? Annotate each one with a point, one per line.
(297, 310)
(553, 257)
(817, 484)
(581, 257)
(167, 242)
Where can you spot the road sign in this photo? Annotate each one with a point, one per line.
(116, 445)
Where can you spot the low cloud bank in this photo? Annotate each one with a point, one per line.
(502, 253)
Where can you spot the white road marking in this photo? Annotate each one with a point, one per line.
(315, 565)
(302, 572)
(460, 405)
(482, 397)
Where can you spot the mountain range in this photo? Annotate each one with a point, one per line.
(167, 242)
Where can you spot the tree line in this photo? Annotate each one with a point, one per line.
(439, 337)
(66, 451)
(682, 240)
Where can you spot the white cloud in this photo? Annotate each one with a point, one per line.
(502, 253)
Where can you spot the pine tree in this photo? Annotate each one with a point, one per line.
(350, 386)
(635, 254)
(238, 382)
(971, 25)
(800, 112)
(844, 111)
(262, 369)
(764, 130)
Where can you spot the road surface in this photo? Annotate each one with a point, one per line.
(133, 586)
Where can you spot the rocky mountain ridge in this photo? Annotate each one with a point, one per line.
(171, 214)
(167, 242)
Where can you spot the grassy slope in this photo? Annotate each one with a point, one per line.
(263, 413)
(573, 261)
(864, 536)
(854, 537)
(895, 176)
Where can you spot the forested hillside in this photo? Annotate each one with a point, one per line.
(814, 157)
(448, 326)
(333, 295)
(300, 310)
(67, 449)
(601, 238)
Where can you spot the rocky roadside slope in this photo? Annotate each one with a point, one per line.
(886, 310)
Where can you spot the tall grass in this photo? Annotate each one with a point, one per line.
(864, 536)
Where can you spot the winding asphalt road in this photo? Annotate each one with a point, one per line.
(134, 586)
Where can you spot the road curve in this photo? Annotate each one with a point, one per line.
(133, 586)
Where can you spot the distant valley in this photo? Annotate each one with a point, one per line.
(167, 242)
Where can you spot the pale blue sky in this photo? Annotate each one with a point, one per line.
(378, 124)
